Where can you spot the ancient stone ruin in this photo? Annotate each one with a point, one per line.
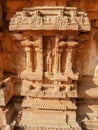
(49, 65)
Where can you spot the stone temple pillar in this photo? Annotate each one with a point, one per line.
(39, 53)
(27, 44)
(68, 66)
(56, 55)
(28, 58)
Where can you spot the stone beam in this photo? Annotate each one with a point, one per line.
(50, 18)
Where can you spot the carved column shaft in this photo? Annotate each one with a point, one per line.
(28, 58)
(28, 44)
(68, 66)
(70, 48)
(39, 51)
(56, 55)
(59, 59)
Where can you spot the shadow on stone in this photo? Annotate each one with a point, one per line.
(18, 128)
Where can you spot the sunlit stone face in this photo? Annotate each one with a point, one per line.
(48, 64)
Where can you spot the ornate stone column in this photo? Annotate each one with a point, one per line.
(59, 60)
(39, 52)
(56, 50)
(27, 44)
(68, 66)
(56, 62)
(28, 59)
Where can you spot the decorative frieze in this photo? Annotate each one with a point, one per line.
(50, 18)
(47, 104)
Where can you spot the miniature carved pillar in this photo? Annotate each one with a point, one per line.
(59, 60)
(69, 59)
(39, 51)
(56, 50)
(49, 62)
(27, 44)
(68, 65)
(28, 58)
(57, 64)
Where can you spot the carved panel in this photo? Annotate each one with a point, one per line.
(48, 36)
(44, 71)
(45, 120)
(48, 18)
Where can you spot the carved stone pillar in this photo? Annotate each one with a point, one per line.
(59, 60)
(27, 44)
(33, 74)
(28, 58)
(56, 50)
(56, 63)
(68, 66)
(39, 53)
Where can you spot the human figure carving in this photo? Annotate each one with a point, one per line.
(72, 17)
(39, 51)
(79, 19)
(86, 19)
(59, 20)
(57, 51)
(57, 67)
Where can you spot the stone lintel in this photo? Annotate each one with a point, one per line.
(50, 18)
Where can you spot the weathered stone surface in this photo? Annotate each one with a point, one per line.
(50, 18)
(48, 64)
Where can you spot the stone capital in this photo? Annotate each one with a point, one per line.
(71, 43)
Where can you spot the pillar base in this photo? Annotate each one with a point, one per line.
(29, 75)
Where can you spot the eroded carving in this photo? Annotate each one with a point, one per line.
(37, 44)
(49, 61)
(68, 68)
(37, 18)
(49, 79)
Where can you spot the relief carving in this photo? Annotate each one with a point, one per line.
(37, 45)
(52, 58)
(48, 81)
(68, 68)
(49, 62)
(61, 21)
(66, 18)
